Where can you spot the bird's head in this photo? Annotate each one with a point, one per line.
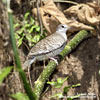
(63, 28)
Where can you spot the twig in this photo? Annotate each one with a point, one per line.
(30, 78)
(39, 17)
(63, 1)
(26, 45)
(75, 3)
(39, 84)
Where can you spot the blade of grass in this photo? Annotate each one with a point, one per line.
(16, 55)
(4, 72)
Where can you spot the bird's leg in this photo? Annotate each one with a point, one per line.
(30, 77)
(55, 60)
(44, 64)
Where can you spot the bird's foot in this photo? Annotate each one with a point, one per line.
(55, 60)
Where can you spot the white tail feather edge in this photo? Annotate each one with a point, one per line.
(28, 63)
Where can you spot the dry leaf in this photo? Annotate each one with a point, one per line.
(51, 16)
(80, 16)
(85, 13)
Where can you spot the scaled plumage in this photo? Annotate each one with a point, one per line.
(48, 47)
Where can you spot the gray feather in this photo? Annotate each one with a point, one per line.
(48, 44)
(27, 63)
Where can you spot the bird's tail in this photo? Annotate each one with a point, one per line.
(27, 63)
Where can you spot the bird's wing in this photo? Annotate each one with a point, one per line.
(47, 45)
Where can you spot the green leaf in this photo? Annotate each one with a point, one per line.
(16, 25)
(38, 29)
(19, 96)
(20, 31)
(4, 72)
(36, 38)
(65, 79)
(52, 83)
(27, 25)
(17, 36)
(66, 89)
(20, 41)
(31, 29)
(26, 15)
(58, 95)
(73, 97)
(32, 21)
(76, 85)
(29, 37)
(23, 35)
(32, 44)
(60, 82)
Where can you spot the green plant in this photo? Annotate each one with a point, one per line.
(27, 87)
(28, 31)
(67, 88)
(58, 84)
(19, 96)
(4, 72)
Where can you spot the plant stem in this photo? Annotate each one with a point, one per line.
(39, 84)
(17, 59)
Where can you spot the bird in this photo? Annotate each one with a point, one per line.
(48, 47)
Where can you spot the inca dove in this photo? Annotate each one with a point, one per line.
(49, 46)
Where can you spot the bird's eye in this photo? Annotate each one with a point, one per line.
(62, 26)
